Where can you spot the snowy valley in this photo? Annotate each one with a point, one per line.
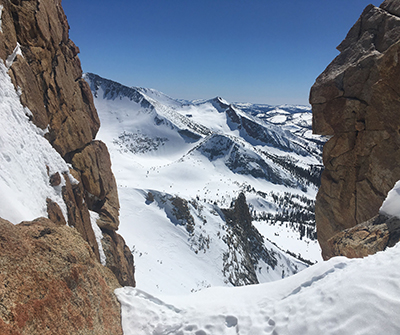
(198, 217)
(182, 170)
(181, 166)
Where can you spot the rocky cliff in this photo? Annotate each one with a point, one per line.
(44, 67)
(356, 101)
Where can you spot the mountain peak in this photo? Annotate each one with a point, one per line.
(220, 104)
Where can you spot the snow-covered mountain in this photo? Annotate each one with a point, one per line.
(185, 171)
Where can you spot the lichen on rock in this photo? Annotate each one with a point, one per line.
(52, 282)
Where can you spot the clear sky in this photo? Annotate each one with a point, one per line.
(258, 51)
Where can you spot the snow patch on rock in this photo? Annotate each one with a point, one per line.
(10, 59)
(1, 12)
(391, 206)
(99, 235)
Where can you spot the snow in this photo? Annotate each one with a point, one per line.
(160, 250)
(1, 12)
(205, 114)
(278, 119)
(160, 247)
(98, 234)
(391, 205)
(339, 296)
(159, 96)
(152, 156)
(10, 59)
(287, 239)
(26, 160)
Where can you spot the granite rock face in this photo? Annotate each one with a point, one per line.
(49, 72)
(44, 66)
(52, 283)
(94, 164)
(77, 211)
(356, 101)
(119, 258)
(366, 238)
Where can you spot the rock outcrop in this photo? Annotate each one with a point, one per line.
(244, 243)
(94, 164)
(45, 68)
(356, 101)
(52, 283)
(366, 238)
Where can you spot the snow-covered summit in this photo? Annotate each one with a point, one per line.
(112, 90)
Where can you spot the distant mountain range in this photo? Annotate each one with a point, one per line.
(211, 193)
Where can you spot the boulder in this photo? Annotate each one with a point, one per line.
(355, 100)
(55, 179)
(366, 238)
(52, 282)
(54, 212)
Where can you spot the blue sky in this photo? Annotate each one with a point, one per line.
(258, 51)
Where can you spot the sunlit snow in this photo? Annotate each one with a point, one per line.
(151, 152)
(27, 160)
(339, 296)
(391, 206)
(98, 235)
(10, 59)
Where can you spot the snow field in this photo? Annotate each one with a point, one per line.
(287, 239)
(339, 296)
(164, 261)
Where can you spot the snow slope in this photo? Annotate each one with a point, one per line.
(340, 296)
(203, 154)
(27, 160)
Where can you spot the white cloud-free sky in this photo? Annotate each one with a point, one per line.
(258, 51)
